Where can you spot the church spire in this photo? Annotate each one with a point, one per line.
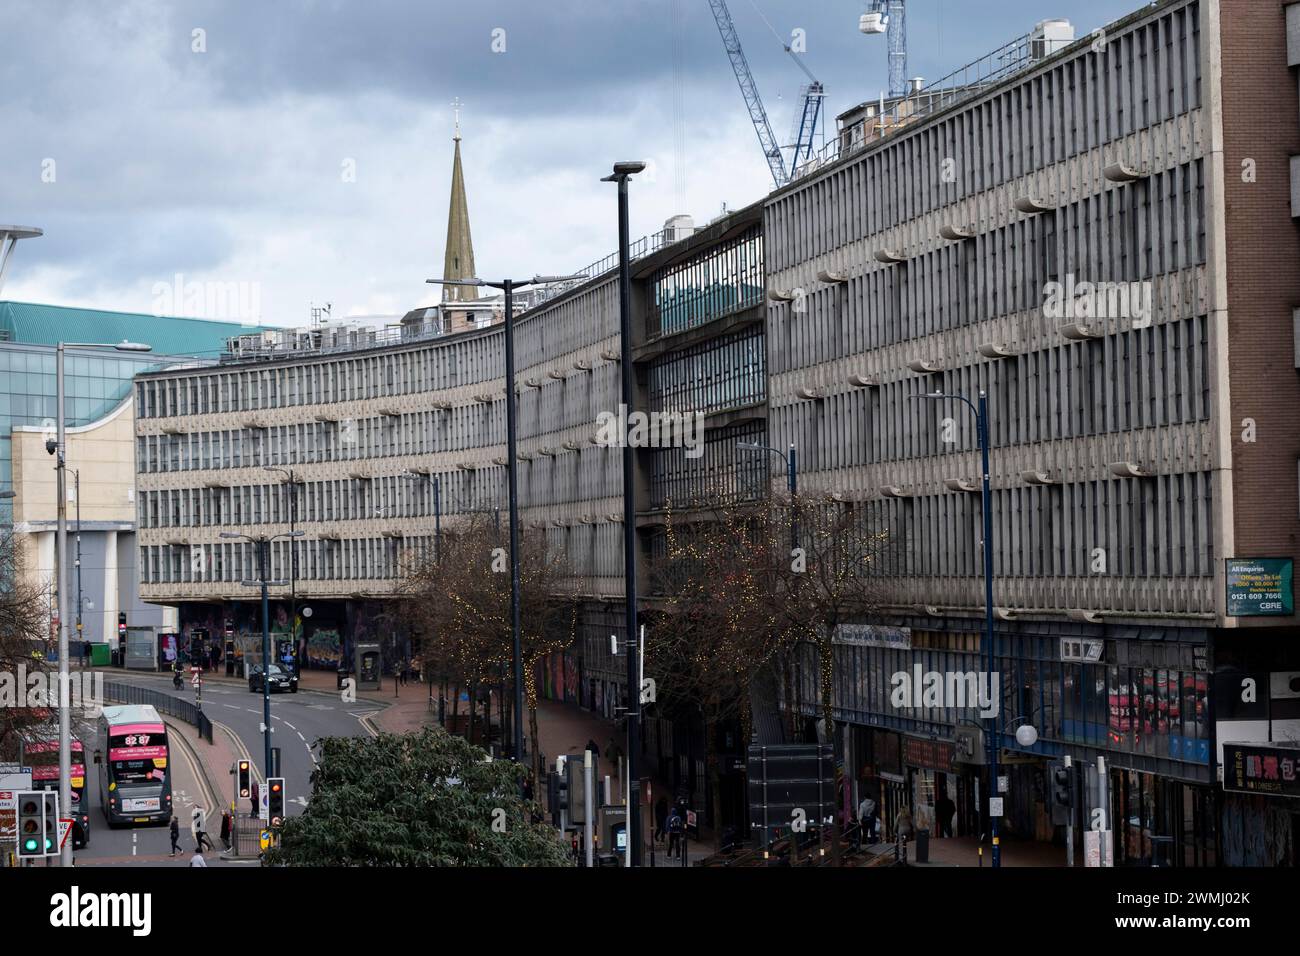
(459, 263)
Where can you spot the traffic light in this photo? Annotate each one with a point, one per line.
(275, 801)
(121, 628)
(38, 823)
(1061, 780)
(245, 779)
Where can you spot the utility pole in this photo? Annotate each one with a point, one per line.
(76, 484)
(622, 173)
(263, 545)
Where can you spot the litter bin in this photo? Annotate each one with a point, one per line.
(99, 655)
(922, 845)
(342, 676)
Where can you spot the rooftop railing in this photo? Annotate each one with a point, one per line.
(900, 112)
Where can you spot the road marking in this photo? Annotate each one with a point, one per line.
(231, 706)
(134, 837)
(301, 737)
(287, 724)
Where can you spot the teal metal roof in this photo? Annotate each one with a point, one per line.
(37, 324)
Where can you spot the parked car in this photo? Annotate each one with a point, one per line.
(279, 679)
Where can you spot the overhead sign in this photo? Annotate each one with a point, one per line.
(1260, 587)
(1262, 768)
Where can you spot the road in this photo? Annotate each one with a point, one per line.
(298, 721)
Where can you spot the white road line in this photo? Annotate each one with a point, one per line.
(231, 706)
(134, 836)
(301, 737)
(287, 724)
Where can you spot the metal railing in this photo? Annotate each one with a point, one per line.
(901, 112)
(163, 703)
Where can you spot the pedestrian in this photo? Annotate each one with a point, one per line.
(225, 828)
(175, 830)
(676, 825)
(661, 817)
(198, 829)
(944, 811)
(85, 653)
(903, 829)
(253, 799)
(197, 858)
(867, 819)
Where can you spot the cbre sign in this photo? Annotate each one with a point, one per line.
(1260, 587)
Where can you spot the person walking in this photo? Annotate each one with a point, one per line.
(197, 858)
(661, 817)
(676, 826)
(867, 820)
(225, 828)
(174, 828)
(944, 811)
(253, 798)
(198, 829)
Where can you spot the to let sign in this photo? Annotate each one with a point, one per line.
(1260, 587)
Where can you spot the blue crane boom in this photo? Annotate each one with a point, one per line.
(749, 90)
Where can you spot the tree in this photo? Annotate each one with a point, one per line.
(459, 606)
(714, 623)
(24, 630)
(834, 577)
(421, 799)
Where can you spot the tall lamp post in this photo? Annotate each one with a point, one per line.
(293, 563)
(623, 172)
(508, 286)
(436, 482)
(59, 449)
(263, 545)
(791, 479)
(981, 413)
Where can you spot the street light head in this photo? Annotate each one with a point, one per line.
(8, 494)
(1026, 735)
(230, 535)
(749, 446)
(125, 346)
(623, 170)
(51, 446)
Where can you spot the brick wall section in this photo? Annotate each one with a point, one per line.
(1261, 121)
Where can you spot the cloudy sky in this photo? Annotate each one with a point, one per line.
(304, 146)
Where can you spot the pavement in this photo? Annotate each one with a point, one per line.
(965, 852)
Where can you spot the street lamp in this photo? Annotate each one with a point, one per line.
(293, 563)
(59, 449)
(436, 481)
(508, 286)
(263, 570)
(981, 413)
(791, 479)
(623, 172)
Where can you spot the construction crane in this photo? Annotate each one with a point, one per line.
(890, 16)
(806, 119)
